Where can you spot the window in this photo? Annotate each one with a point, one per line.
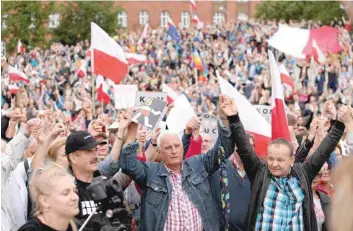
(164, 18)
(243, 17)
(32, 25)
(218, 18)
(54, 20)
(185, 19)
(122, 19)
(4, 21)
(144, 17)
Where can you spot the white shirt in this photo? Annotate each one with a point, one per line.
(320, 216)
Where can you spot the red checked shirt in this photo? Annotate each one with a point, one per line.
(182, 214)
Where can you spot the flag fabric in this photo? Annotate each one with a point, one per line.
(193, 5)
(145, 33)
(195, 19)
(286, 79)
(108, 58)
(20, 47)
(81, 71)
(252, 120)
(13, 89)
(199, 64)
(102, 90)
(301, 43)
(171, 94)
(16, 75)
(278, 114)
(172, 31)
(133, 58)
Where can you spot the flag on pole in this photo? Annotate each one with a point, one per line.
(81, 70)
(252, 120)
(278, 114)
(199, 64)
(20, 47)
(171, 94)
(286, 79)
(195, 19)
(193, 5)
(145, 33)
(13, 89)
(172, 31)
(102, 89)
(16, 75)
(108, 58)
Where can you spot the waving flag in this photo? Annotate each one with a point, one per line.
(20, 48)
(13, 89)
(102, 90)
(81, 70)
(145, 33)
(171, 94)
(193, 5)
(278, 114)
(195, 19)
(17, 75)
(108, 58)
(286, 79)
(134, 58)
(199, 64)
(252, 121)
(172, 31)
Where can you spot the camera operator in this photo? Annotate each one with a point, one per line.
(83, 158)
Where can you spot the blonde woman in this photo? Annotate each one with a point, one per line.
(55, 200)
(57, 154)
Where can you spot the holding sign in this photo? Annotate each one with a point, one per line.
(142, 96)
(150, 113)
(209, 126)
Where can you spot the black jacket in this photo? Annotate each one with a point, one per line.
(260, 176)
(325, 204)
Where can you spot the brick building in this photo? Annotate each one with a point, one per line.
(138, 13)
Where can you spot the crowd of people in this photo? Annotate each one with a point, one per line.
(53, 128)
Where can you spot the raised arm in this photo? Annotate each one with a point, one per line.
(327, 146)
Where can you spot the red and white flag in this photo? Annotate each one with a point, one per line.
(81, 70)
(133, 58)
(20, 47)
(13, 89)
(195, 19)
(102, 90)
(145, 33)
(108, 58)
(286, 79)
(193, 5)
(252, 120)
(17, 75)
(278, 114)
(171, 94)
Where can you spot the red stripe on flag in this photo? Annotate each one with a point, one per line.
(108, 66)
(15, 77)
(287, 80)
(279, 121)
(102, 96)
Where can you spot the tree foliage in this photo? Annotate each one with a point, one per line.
(326, 11)
(76, 18)
(25, 21)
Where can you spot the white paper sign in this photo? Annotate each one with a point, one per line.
(124, 96)
(142, 96)
(209, 126)
(180, 114)
(265, 111)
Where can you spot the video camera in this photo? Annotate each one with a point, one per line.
(109, 196)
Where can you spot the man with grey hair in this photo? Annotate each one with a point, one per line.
(176, 193)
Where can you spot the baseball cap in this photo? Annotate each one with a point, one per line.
(80, 140)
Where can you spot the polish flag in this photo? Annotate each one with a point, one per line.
(145, 33)
(108, 58)
(102, 90)
(20, 48)
(81, 70)
(304, 43)
(13, 89)
(278, 114)
(285, 77)
(17, 75)
(251, 119)
(195, 20)
(133, 58)
(171, 94)
(193, 5)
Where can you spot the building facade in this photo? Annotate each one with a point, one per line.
(156, 13)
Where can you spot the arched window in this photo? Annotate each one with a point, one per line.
(164, 18)
(54, 20)
(144, 17)
(122, 19)
(185, 19)
(218, 18)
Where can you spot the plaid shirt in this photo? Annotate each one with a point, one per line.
(182, 214)
(282, 208)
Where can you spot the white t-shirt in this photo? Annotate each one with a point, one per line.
(320, 216)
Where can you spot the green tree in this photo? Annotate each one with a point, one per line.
(25, 21)
(298, 10)
(76, 18)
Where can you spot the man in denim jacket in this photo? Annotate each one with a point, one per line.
(176, 194)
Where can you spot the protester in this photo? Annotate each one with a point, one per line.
(55, 200)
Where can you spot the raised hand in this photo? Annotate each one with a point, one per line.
(155, 135)
(344, 115)
(193, 124)
(227, 106)
(141, 135)
(95, 127)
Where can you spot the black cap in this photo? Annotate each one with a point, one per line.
(80, 140)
